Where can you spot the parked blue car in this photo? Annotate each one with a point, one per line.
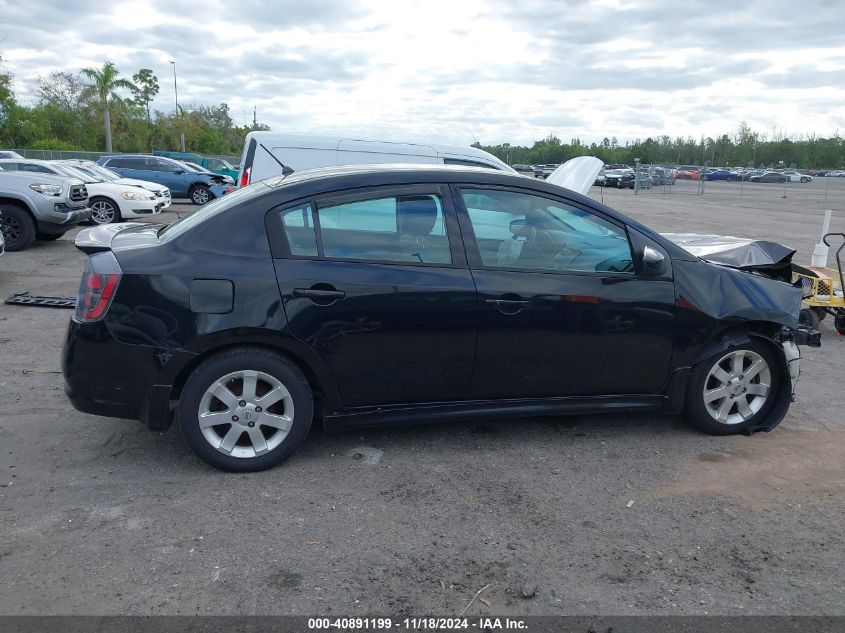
(717, 174)
(199, 187)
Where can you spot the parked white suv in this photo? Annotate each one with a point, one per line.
(109, 202)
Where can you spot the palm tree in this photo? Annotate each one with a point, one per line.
(104, 82)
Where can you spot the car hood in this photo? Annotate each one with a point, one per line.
(144, 184)
(577, 174)
(760, 256)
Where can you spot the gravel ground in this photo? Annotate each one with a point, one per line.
(609, 515)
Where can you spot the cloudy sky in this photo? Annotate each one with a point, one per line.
(461, 70)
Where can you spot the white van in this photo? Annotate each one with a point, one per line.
(268, 154)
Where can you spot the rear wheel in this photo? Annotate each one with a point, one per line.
(734, 390)
(246, 409)
(17, 226)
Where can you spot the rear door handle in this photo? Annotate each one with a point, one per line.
(507, 302)
(317, 293)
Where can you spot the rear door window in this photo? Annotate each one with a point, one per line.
(401, 229)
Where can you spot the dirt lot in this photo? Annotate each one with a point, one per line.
(100, 516)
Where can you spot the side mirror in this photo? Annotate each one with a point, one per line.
(654, 262)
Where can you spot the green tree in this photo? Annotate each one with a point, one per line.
(105, 82)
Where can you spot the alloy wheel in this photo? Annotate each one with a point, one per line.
(737, 386)
(102, 212)
(200, 196)
(245, 413)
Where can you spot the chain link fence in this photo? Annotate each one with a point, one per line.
(694, 180)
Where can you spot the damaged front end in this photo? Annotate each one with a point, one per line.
(735, 291)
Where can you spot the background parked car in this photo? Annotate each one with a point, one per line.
(7, 153)
(102, 173)
(200, 188)
(38, 206)
(199, 169)
(716, 174)
(769, 176)
(688, 174)
(109, 202)
(796, 176)
(214, 165)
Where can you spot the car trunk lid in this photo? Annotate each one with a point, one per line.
(114, 237)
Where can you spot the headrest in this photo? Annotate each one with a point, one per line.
(416, 215)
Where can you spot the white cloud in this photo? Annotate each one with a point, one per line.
(491, 70)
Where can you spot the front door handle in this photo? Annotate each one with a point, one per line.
(507, 302)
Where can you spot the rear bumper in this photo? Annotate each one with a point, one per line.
(113, 379)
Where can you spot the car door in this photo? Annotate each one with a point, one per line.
(376, 282)
(168, 174)
(564, 308)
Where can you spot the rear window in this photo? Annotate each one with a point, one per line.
(209, 210)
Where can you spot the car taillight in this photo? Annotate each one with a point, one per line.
(245, 174)
(99, 283)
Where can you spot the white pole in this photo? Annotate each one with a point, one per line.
(821, 250)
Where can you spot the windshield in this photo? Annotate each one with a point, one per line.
(209, 210)
(87, 171)
(73, 172)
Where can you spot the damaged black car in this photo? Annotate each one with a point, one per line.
(360, 296)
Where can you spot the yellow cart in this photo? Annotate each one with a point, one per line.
(823, 291)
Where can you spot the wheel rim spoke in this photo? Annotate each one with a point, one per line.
(250, 380)
(222, 393)
(272, 397)
(721, 375)
(231, 438)
(737, 363)
(743, 408)
(756, 368)
(259, 444)
(758, 389)
(213, 418)
(717, 393)
(725, 409)
(281, 422)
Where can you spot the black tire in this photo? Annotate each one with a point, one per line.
(839, 323)
(805, 180)
(106, 211)
(696, 412)
(809, 318)
(216, 367)
(48, 237)
(18, 227)
(821, 313)
(200, 194)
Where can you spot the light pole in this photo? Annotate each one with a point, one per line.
(176, 94)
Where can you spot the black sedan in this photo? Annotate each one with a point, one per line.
(358, 296)
(769, 176)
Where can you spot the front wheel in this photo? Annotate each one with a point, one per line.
(246, 409)
(200, 195)
(104, 211)
(734, 390)
(17, 226)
